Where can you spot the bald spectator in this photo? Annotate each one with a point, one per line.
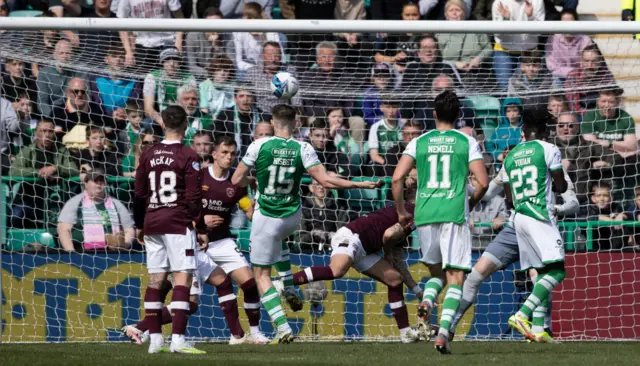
(260, 76)
(263, 129)
(579, 156)
(78, 110)
(52, 80)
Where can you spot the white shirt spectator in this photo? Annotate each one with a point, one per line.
(517, 11)
(8, 124)
(249, 46)
(150, 9)
(233, 8)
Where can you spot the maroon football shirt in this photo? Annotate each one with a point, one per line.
(371, 227)
(219, 197)
(167, 189)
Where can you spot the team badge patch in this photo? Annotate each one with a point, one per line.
(196, 166)
(231, 192)
(205, 188)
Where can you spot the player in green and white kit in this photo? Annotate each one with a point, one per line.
(280, 163)
(530, 169)
(443, 157)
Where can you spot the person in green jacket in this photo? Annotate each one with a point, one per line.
(46, 161)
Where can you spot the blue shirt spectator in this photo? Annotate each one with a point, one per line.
(508, 133)
(381, 77)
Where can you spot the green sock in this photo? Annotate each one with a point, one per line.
(538, 316)
(545, 285)
(431, 290)
(284, 266)
(271, 302)
(450, 307)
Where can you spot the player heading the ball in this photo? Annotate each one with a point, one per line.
(167, 202)
(280, 162)
(443, 157)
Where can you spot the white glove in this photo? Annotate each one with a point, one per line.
(556, 209)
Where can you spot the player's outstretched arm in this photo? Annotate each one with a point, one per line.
(241, 176)
(403, 168)
(479, 171)
(319, 173)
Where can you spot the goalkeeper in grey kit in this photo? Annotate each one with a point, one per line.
(503, 251)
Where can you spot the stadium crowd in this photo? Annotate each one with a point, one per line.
(87, 104)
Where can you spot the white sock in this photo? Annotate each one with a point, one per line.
(284, 328)
(156, 339)
(522, 315)
(444, 332)
(404, 331)
(254, 330)
(177, 338)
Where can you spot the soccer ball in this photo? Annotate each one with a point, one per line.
(284, 85)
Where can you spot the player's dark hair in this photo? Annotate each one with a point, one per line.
(535, 122)
(224, 140)
(284, 113)
(319, 124)
(447, 107)
(174, 117)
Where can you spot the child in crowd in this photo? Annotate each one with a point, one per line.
(386, 132)
(131, 133)
(508, 133)
(602, 208)
(381, 77)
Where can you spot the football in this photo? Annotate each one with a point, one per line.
(284, 85)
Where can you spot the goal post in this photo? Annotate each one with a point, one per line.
(48, 295)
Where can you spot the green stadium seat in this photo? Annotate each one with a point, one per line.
(487, 109)
(17, 239)
(25, 13)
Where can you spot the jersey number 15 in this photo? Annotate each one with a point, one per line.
(281, 185)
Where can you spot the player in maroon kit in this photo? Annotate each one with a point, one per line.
(357, 245)
(167, 202)
(222, 261)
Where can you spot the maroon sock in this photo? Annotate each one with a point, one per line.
(229, 305)
(180, 309)
(398, 307)
(251, 302)
(153, 304)
(311, 274)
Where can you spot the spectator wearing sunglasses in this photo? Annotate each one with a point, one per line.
(130, 162)
(79, 110)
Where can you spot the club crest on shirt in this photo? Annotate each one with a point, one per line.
(205, 188)
(231, 192)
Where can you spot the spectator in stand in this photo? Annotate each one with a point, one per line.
(96, 156)
(146, 139)
(593, 72)
(234, 9)
(263, 129)
(78, 110)
(215, 93)
(614, 129)
(202, 144)
(579, 156)
(160, 87)
(9, 130)
(390, 9)
(197, 121)
(482, 10)
(94, 44)
(201, 47)
(112, 91)
(385, 133)
(69, 9)
(328, 154)
(260, 76)
(240, 121)
(319, 83)
(633, 214)
(23, 106)
(130, 134)
(436, 9)
(45, 160)
(14, 82)
(467, 51)
(563, 51)
(350, 10)
(302, 45)
(382, 81)
(410, 131)
(93, 220)
(556, 104)
(356, 48)
(509, 46)
(530, 82)
(399, 49)
(508, 132)
(602, 208)
(419, 75)
(492, 210)
(321, 218)
(149, 45)
(552, 12)
(52, 80)
(248, 44)
(347, 137)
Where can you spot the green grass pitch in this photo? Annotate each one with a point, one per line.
(304, 354)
